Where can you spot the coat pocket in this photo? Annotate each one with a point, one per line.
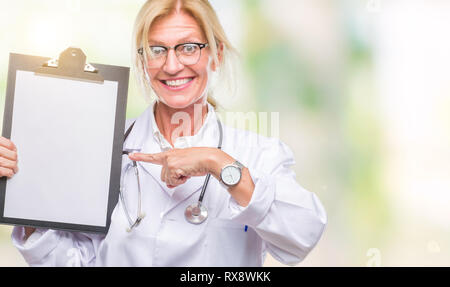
(229, 244)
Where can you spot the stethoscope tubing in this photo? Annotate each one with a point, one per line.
(140, 215)
(219, 146)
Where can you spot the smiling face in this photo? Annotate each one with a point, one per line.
(176, 85)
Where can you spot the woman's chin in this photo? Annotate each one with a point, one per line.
(177, 102)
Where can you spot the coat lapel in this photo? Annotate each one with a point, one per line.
(141, 140)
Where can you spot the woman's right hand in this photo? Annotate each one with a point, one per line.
(8, 158)
(8, 166)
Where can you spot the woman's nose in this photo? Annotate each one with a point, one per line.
(172, 65)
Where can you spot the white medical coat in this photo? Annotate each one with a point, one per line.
(283, 218)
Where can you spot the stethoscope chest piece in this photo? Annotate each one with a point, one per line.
(196, 213)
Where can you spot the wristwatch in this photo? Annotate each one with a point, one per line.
(231, 174)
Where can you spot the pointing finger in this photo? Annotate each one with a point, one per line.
(156, 158)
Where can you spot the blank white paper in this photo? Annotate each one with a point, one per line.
(64, 131)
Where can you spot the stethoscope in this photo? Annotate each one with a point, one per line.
(195, 213)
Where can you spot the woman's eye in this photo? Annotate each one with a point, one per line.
(157, 51)
(189, 49)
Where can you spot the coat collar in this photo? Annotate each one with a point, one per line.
(144, 138)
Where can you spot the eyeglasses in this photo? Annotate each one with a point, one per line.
(187, 54)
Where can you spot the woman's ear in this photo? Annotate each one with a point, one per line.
(219, 57)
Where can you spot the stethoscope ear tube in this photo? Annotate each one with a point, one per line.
(140, 215)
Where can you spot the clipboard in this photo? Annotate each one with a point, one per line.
(67, 120)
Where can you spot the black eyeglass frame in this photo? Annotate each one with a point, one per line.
(200, 45)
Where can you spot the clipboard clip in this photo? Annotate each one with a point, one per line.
(71, 65)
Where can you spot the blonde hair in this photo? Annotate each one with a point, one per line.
(206, 17)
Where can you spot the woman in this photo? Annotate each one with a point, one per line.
(254, 203)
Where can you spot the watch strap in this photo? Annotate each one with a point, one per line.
(238, 164)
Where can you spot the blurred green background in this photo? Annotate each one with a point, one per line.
(362, 89)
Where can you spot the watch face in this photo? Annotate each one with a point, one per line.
(231, 175)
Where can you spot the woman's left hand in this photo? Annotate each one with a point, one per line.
(178, 165)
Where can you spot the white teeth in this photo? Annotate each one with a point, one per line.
(177, 83)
